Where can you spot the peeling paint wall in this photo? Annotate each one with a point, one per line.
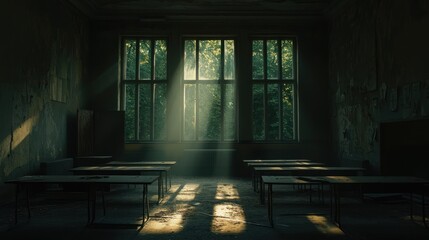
(378, 72)
(44, 51)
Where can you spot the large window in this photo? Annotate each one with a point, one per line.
(144, 86)
(274, 84)
(209, 112)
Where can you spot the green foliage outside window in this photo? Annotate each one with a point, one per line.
(273, 90)
(209, 92)
(145, 89)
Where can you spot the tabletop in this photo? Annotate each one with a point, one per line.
(284, 164)
(141, 163)
(283, 180)
(121, 168)
(275, 160)
(367, 179)
(125, 179)
(309, 168)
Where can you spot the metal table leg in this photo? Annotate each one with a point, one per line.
(270, 204)
(261, 191)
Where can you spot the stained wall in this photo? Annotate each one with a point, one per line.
(44, 48)
(378, 73)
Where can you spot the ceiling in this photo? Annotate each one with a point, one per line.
(176, 9)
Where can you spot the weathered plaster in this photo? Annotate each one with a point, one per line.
(378, 72)
(41, 85)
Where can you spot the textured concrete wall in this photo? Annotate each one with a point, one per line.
(378, 72)
(43, 66)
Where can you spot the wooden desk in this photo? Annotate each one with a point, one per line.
(284, 164)
(274, 160)
(302, 171)
(91, 183)
(279, 180)
(255, 179)
(411, 184)
(147, 163)
(126, 170)
(142, 163)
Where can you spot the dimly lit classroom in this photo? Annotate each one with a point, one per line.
(214, 119)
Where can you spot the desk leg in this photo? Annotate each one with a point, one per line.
(337, 199)
(261, 191)
(94, 194)
(331, 202)
(147, 201)
(145, 216)
(338, 206)
(411, 206)
(89, 204)
(159, 187)
(253, 180)
(166, 181)
(169, 180)
(143, 207)
(270, 204)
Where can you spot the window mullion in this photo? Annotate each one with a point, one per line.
(222, 88)
(279, 85)
(264, 57)
(137, 90)
(152, 89)
(197, 61)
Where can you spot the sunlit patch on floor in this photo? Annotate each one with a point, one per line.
(324, 225)
(226, 192)
(228, 218)
(167, 220)
(173, 189)
(188, 192)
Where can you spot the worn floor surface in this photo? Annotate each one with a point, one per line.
(210, 208)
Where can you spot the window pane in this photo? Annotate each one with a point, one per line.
(287, 59)
(288, 111)
(229, 113)
(130, 112)
(272, 59)
(209, 59)
(130, 60)
(273, 113)
(209, 112)
(160, 60)
(258, 112)
(145, 60)
(145, 110)
(229, 66)
(257, 59)
(190, 112)
(190, 60)
(160, 112)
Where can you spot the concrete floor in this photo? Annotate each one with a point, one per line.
(209, 208)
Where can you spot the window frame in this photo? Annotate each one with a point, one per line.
(221, 82)
(152, 82)
(265, 81)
